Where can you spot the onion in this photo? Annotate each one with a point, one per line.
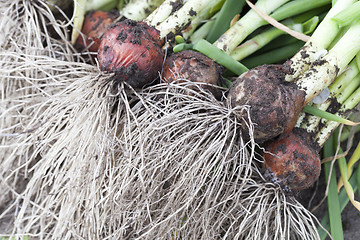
(131, 50)
(275, 105)
(195, 67)
(95, 24)
(292, 161)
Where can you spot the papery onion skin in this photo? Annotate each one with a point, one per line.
(94, 26)
(132, 51)
(274, 104)
(195, 67)
(293, 161)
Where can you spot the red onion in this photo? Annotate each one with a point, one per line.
(274, 105)
(195, 67)
(131, 50)
(293, 161)
(94, 25)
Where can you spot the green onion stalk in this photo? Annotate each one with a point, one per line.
(323, 71)
(350, 103)
(203, 31)
(259, 41)
(170, 18)
(228, 12)
(205, 15)
(318, 42)
(229, 41)
(338, 92)
(273, 56)
(343, 97)
(278, 9)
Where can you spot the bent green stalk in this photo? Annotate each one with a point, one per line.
(277, 9)
(260, 40)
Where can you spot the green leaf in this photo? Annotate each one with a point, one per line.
(222, 22)
(219, 56)
(348, 15)
(333, 198)
(182, 47)
(329, 116)
(343, 200)
(310, 25)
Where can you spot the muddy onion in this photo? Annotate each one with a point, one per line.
(192, 66)
(94, 25)
(132, 50)
(274, 104)
(293, 161)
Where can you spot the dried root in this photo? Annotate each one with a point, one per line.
(164, 164)
(63, 161)
(82, 157)
(270, 213)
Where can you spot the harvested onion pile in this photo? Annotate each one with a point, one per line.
(118, 136)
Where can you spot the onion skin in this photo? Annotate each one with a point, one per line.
(95, 24)
(195, 67)
(132, 51)
(274, 105)
(294, 162)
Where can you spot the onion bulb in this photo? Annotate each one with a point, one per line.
(293, 161)
(95, 24)
(274, 104)
(132, 50)
(195, 67)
